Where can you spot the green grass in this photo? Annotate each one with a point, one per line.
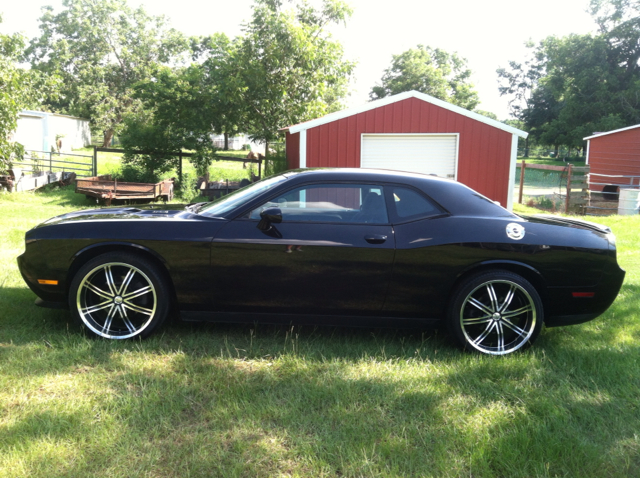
(246, 401)
(551, 162)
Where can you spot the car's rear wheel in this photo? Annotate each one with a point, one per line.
(119, 296)
(496, 313)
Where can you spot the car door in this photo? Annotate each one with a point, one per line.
(331, 254)
(425, 267)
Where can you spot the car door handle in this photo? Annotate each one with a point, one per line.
(375, 238)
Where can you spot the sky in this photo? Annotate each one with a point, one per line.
(488, 33)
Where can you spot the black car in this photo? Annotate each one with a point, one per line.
(329, 246)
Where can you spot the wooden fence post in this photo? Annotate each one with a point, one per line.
(567, 202)
(94, 166)
(523, 165)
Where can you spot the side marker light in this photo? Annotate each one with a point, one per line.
(583, 294)
(47, 282)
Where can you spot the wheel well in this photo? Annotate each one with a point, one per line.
(89, 254)
(531, 275)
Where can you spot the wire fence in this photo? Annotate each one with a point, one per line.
(557, 188)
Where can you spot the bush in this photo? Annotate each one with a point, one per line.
(186, 189)
(276, 163)
(134, 174)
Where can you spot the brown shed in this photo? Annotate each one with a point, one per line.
(413, 132)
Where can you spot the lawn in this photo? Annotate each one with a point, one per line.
(261, 401)
(550, 162)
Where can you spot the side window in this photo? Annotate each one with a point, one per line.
(349, 203)
(410, 204)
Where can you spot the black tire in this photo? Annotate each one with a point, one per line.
(495, 313)
(119, 295)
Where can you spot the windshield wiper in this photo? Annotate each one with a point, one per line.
(194, 208)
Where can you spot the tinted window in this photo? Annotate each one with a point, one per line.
(412, 205)
(352, 203)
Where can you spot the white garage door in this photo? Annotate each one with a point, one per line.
(429, 153)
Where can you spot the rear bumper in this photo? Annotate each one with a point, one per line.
(565, 309)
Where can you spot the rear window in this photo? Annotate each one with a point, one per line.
(410, 204)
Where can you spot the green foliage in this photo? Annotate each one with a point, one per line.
(284, 69)
(19, 89)
(154, 141)
(289, 67)
(276, 163)
(133, 173)
(101, 49)
(488, 114)
(570, 87)
(186, 189)
(432, 71)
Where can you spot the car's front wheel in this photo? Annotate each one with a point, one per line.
(496, 312)
(119, 296)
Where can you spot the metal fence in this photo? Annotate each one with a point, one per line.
(605, 191)
(34, 162)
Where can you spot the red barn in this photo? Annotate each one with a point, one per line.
(412, 132)
(614, 159)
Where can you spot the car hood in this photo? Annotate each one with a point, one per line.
(150, 212)
(567, 222)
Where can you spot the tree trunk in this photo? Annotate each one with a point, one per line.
(226, 141)
(526, 147)
(108, 136)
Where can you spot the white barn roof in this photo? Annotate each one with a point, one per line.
(400, 97)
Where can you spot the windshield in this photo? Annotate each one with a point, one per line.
(223, 205)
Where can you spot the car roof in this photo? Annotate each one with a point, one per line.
(455, 197)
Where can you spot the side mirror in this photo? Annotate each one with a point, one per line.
(271, 215)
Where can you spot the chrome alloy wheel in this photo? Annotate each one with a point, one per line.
(498, 317)
(116, 300)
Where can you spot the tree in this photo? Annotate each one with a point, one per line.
(432, 71)
(19, 89)
(619, 24)
(101, 48)
(289, 68)
(568, 92)
(572, 86)
(284, 69)
(221, 82)
(179, 113)
(488, 114)
(184, 106)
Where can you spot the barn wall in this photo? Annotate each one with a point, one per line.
(484, 151)
(30, 132)
(615, 154)
(37, 131)
(292, 148)
(75, 132)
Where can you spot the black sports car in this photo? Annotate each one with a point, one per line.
(329, 246)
